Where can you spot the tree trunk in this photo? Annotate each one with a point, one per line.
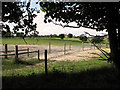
(113, 39)
(119, 39)
(113, 35)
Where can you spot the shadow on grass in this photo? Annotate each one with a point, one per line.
(105, 77)
(8, 64)
(23, 62)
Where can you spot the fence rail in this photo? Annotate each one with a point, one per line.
(19, 53)
(16, 52)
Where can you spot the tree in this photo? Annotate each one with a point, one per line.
(53, 36)
(19, 34)
(99, 16)
(83, 38)
(70, 35)
(21, 14)
(7, 32)
(62, 36)
(35, 34)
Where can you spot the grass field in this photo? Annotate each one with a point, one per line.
(93, 73)
(43, 41)
(39, 41)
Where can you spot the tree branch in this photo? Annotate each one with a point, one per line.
(73, 26)
(65, 25)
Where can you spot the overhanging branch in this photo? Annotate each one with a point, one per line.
(90, 27)
(66, 25)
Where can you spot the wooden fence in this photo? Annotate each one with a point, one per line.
(16, 52)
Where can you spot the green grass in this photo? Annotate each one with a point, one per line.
(93, 73)
(45, 41)
(40, 41)
(73, 67)
(9, 64)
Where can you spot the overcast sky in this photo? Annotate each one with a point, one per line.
(50, 28)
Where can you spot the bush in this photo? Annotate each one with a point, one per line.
(97, 39)
(62, 36)
(83, 38)
(70, 35)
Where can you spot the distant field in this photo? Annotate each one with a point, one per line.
(43, 41)
(40, 41)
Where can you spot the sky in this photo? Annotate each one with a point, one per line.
(50, 28)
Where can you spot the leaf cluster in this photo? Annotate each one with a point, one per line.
(90, 15)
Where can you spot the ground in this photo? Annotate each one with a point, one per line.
(78, 56)
(57, 52)
(76, 68)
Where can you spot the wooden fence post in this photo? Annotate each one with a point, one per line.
(46, 72)
(28, 52)
(94, 46)
(106, 45)
(38, 55)
(70, 47)
(6, 49)
(49, 47)
(98, 45)
(83, 46)
(64, 48)
(16, 53)
(90, 46)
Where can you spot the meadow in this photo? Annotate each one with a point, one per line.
(30, 73)
(44, 41)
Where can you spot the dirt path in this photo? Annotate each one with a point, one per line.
(79, 56)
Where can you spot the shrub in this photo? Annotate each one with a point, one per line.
(83, 38)
(61, 36)
(70, 35)
(97, 39)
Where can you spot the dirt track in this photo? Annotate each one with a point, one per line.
(78, 56)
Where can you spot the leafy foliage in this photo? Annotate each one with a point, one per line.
(11, 12)
(89, 15)
(21, 14)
